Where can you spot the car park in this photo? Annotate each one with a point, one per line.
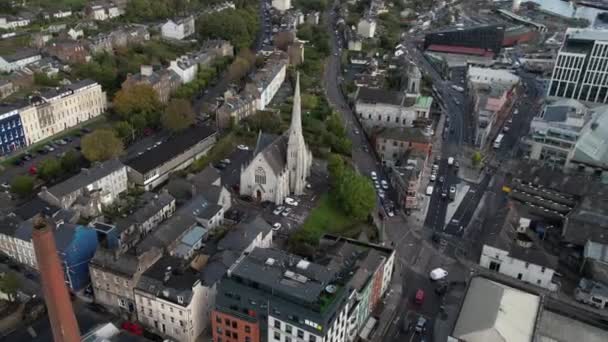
(278, 210)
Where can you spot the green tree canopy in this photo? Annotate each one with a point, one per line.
(178, 115)
(102, 144)
(49, 169)
(22, 185)
(137, 99)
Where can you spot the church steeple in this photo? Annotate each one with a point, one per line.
(298, 156)
(296, 116)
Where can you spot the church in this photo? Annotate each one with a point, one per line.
(280, 164)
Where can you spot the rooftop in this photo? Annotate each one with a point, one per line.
(495, 312)
(170, 149)
(85, 178)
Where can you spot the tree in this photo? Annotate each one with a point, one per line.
(102, 144)
(476, 158)
(70, 161)
(137, 99)
(22, 185)
(49, 169)
(178, 115)
(356, 195)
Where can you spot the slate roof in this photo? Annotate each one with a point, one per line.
(241, 235)
(372, 95)
(85, 177)
(168, 150)
(274, 150)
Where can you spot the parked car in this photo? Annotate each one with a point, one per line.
(278, 210)
(291, 201)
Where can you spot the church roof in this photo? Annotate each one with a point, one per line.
(274, 149)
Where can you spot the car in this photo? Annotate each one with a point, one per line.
(278, 210)
(374, 175)
(291, 201)
(243, 147)
(286, 212)
(420, 325)
(438, 274)
(276, 226)
(433, 177)
(384, 184)
(429, 190)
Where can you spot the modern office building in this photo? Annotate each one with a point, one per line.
(581, 67)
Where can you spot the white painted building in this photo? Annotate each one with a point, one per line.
(281, 5)
(519, 258)
(366, 27)
(19, 60)
(178, 28)
(581, 66)
(185, 68)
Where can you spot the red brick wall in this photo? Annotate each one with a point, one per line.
(228, 328)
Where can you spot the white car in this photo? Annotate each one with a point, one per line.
(374, 175)
(291, 201)
(276, 226)
(278, 210)
(384, 184)
(438, 274)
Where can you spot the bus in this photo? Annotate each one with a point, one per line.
(498, 140)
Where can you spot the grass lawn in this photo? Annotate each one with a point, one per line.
(325, 218)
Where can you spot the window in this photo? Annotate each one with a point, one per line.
(260, 176)
(247, 329)
(277, 335)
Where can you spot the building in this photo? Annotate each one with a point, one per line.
(235, 108)
(555, 131)
(53, 111)
(102, 11)
(590, 152)
(114, 276)
(579, 71)
(271, 295)
(153, 167)
(486, 38)
(378, 108)
(515, 251)
(268, 79)
(366, 27)
(281, 5)
(170, 300)
(68, 51)
(11, 130)
(178, 28)
(164, 82)
(9, 22)
(405, 178)
(393, 143)
(280, 165)
(107, 179)
(58, 303)
(151, 211)
(185, 67)
(492, 311)
(18, 60)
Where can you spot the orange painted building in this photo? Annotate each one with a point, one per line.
(229, 328)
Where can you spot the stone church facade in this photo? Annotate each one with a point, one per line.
(280, 164)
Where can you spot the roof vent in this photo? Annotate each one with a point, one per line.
(331, 289)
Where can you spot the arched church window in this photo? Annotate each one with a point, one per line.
(260, 176)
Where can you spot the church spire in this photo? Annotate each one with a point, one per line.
(296, 117)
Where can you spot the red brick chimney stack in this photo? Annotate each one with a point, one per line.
(56, 295)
